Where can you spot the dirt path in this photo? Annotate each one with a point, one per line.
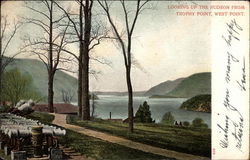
(60, 119)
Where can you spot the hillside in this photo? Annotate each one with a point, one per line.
(135, 93)
(200, 103)
(164, 87)
(193, 85)
(37, 70)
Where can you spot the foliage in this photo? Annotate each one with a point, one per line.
(190, 140)
(186, 123)
(200, 103)
(198, 122)
(143, 114)
(168, 119)
(18, 86)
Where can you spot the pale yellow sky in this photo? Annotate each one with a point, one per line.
(166, 46)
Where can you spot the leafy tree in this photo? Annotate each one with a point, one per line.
(186, 123)
(168, 118)
(143, 114)
(198, 122)
(18, 86)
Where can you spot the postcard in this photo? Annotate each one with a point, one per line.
(124, 80)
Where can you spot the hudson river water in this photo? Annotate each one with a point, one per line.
(117, 105)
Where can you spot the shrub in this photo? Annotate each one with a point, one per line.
(186, 123)
(143, 114)
(198, 122)
(168, 118)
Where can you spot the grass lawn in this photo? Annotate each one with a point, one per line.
(41, 116)
(96, 148)
(190, 140)
(102, 150)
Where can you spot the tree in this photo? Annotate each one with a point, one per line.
(143, 114)
(198, 122)
(67, 96)
(126, 46)
(168, 118)
(93, 106)
(48, 47)
(88, 36)
(19, 86)
(7, 34)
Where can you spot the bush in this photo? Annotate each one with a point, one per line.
(186, 123)
(168, 118)
(143, 114)
(198, 122)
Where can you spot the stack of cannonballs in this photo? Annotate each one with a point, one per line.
(18, 133)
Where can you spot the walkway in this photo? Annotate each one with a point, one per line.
(60, 119)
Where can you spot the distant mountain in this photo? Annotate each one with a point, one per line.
(37, 70)
(164, 87)
(135, 93)
(199, 83)
(199, 103)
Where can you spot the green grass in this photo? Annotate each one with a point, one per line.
(102, 150)
(190, 140)
(42, 117)
(96, 148)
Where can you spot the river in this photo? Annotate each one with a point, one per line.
(117, 105)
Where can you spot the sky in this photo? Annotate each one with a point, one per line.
(165, 46)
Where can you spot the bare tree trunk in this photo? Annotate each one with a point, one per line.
(126, 51)
(85, 89)
(50, 93)
(85, 39)
(50, 64)
(85, 60)
(80, 88)
(93, 106)
(80, 103)
(130, 100)
(1, 86)
(1, 74)
(1, 58)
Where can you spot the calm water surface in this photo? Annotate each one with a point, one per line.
(117, 105)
